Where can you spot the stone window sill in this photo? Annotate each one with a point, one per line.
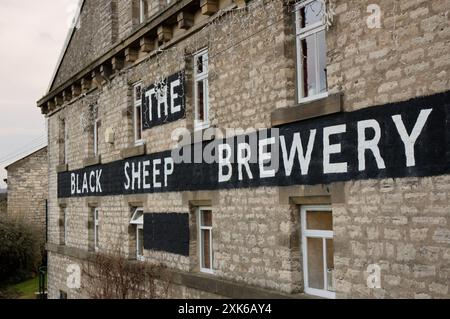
(137, 150)
(326, 106)
(92, 161)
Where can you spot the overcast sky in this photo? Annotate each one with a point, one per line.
(32, 34)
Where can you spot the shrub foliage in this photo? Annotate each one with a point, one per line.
(21, 251)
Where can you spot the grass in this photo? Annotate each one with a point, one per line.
(24, 290)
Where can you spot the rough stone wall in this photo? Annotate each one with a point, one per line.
(98, 30)
(3, 204)
(28, 189)
(402, 225)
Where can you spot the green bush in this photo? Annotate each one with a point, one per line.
(21, 251)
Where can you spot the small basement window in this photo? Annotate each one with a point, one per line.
(137, 220)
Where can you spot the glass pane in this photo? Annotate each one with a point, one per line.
(319, 221)
(137, 93)
(140, 244)
(322, 52)
(138, 123)
(308, 71)
(206, 249)
(207, 218)
(330, 264)
(96, 237)
(311, 14)
(200, 65)
(201, 101)
(96, 215)
(315, 263)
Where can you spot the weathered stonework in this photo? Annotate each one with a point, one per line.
(3, 203)
(402, 225)
(28, 189)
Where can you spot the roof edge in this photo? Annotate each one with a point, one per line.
(74, 27)
(26, 156)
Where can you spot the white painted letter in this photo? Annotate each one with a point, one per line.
(145, 174)
(264, 157)
(136, 175)
(225, 160)
(364, 144)
(73, 186)
(173, 96)
(156, 173)
(168, 169)
(332, 168)
(97, 179)
(127, 183)
(243, 160)
(297, 147)
(410, 140)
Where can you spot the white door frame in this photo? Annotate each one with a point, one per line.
(314, 234)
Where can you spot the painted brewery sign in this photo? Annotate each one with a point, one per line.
(164, 102)
(410, 138)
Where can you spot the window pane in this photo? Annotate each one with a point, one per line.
(138, 126)
(200, 64)
(308, 67)
(319, 221)
(322, 56)
(206, 249)
(207, 218)
(96, 237)
(137, 93)
(140, 244)
(330, 264)
(315, 263)
(201, 101)
(311, 14)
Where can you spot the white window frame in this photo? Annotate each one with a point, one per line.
(65, 225)
(96, 126)
(302, 33)
(306, 233)
(66, 142)
(200, 241)
(139, 223)
(142, 11)
(198, 77)
(96, 229)
(137, 104)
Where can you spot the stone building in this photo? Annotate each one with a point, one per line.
(28, 189)
(3, 202)
(343, 192)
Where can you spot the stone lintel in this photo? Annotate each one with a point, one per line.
(200, 198)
